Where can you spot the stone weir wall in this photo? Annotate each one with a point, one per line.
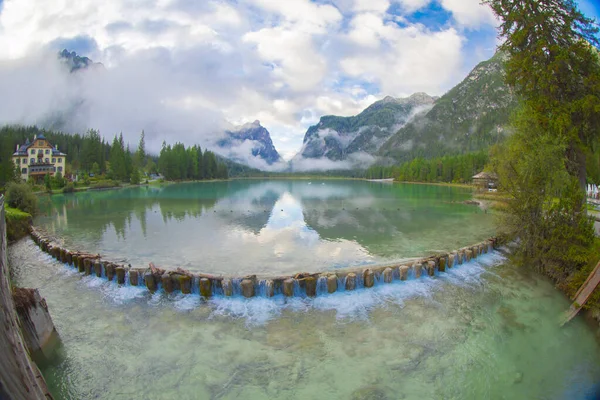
(302, 284)
(19, 376)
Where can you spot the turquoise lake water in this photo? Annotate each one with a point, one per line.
(267, 227)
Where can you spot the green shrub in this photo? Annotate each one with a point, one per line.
(106, 184)
(69, 188)
(21, 196)
(17, 223)
(57, 181)
(135, 177)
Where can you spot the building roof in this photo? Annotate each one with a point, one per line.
(22, 150)
(485, 175)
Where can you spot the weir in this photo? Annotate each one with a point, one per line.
(298, 285)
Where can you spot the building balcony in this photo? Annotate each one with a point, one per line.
(41, 169)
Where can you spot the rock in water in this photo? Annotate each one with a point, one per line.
(369, 278)
(331, 283)
(205, 287)
(247, 288)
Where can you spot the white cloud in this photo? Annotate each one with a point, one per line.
(415, 59)
(413, 5)
(379, 6)
(181, 70)
(470, 13)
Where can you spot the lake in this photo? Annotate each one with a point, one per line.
(269, 227)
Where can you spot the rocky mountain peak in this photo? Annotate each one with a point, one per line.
(252, 131)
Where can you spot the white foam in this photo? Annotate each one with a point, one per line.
(184, 302)
(256, 311)
(348, 305)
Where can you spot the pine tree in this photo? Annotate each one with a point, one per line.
(555, 69)
(140, 154)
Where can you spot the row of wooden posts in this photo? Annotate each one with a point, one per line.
(181, 280)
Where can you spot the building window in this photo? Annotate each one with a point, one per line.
(47, 160)
(40, 142)
(32, 151)
(59, 169)
(54, 160)
(24, 161)
(60, 160)
(47, 151)
(33, 160)
(18, 160)
(24, 171)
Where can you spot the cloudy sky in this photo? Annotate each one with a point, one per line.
(185, 69)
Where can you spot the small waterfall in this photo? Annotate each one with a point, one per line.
(298, 292)
(236, 283)
(378, 278)
(277, 288)
(360, 281)
(261, 288)
(217, 288)
(322, 286)
(196, 285)
(341, 284)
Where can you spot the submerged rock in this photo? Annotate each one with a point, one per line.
(518, 377)
(370, 393)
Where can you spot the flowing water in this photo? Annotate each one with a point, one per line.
(483, 330)
(267, 227)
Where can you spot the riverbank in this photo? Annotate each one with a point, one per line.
(17, 223)
(19, 375)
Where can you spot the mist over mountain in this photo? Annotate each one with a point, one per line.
(358, 138)
(76, 62)
(471, 116)
(252, 135)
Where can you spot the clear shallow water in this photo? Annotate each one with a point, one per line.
(267, 227)
(484, 330)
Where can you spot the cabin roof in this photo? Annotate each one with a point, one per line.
(485, 175)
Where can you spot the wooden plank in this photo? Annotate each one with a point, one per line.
(584, 293)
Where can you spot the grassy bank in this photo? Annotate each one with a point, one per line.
(17, 223)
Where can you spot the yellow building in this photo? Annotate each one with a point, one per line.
(39, 158)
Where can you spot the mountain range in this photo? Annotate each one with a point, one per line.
(471, 116)
(336, 138)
